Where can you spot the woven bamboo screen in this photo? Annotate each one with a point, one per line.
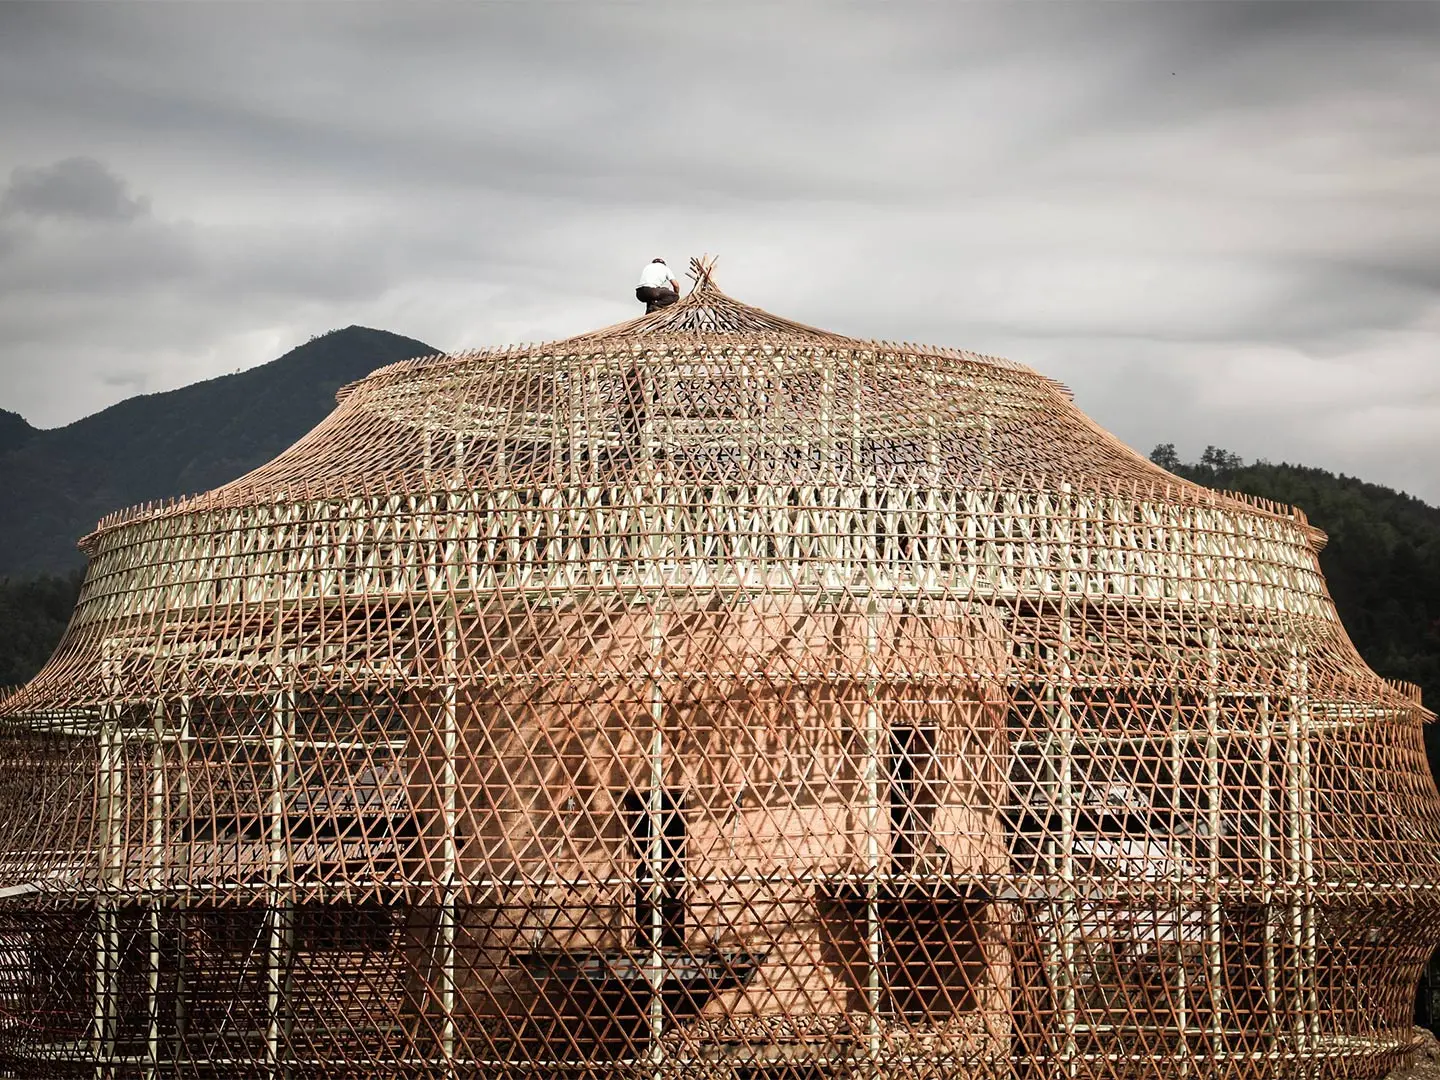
(710, 696)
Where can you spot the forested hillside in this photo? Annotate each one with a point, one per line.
(33, 615)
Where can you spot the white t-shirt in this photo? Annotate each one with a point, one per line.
(655, 276)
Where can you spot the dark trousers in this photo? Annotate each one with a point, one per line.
(654, 298)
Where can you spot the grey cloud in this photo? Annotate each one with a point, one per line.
(77, 187)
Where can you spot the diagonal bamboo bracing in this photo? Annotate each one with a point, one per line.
(710, 695)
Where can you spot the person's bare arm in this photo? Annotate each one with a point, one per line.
(675, 285)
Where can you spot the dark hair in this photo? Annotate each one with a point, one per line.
(657, 260)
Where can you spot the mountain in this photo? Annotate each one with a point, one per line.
(56, 484)
(15, 431)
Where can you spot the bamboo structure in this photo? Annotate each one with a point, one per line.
(710, 696)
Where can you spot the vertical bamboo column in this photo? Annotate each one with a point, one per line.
(655, 843)
(449, 851)
(1311, 957)
(1267, 869)
(1299, 878)
(1178, 746)
(185, 742)
(280, 908)
(1213, 798)
(928, 546)
(1070, 928)
(865, 554)
(449, 723)
(110, 797)
(874, 944)
(155, 870)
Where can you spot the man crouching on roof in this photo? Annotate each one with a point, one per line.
(658, 287)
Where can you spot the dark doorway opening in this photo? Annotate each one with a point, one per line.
(657, 841)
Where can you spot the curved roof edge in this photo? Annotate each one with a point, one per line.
(707, 315)
(1175, 490)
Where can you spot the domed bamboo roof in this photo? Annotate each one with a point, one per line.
(722, 375)
(707, 395)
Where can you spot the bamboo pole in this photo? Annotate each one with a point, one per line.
(1069, 741)
(655, 846)
(110, 797)
(1214, 798)
(874, 940)
(450, 870)
(155, 867)
(280, 908)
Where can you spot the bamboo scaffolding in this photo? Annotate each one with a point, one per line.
(711, 696)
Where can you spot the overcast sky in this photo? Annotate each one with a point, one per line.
(1218, 223)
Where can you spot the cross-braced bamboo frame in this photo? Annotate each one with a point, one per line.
(710, 696)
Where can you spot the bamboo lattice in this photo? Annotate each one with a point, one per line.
(710, 696)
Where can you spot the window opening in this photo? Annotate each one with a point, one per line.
(671, 867)
(912, 796)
